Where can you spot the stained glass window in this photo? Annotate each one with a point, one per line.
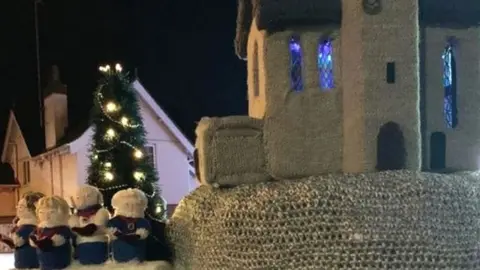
(449, 102)
(325, 64)
(296, 64)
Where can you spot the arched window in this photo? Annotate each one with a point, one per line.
(449, 86)
(325, 64)
(296, 64)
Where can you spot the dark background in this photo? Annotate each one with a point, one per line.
(183, 51)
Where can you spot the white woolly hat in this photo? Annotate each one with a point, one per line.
(87, 189)
(131, 194)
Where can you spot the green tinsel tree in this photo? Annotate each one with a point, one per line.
(117, 155)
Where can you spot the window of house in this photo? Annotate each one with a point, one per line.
(325, 64)
(296, 64)
(150, 155)
(26, 172)
(449, 86)
(391, 72)
(256, 84)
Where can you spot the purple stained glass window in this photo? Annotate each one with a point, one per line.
(449, 101)
(296, 64)
(325, 64)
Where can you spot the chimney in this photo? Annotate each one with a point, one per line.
(56, 110)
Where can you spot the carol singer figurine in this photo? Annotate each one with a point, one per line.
(89, 224)
(128, 228)
(25, 224)
(53, 236)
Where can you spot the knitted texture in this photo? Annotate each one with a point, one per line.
(388, 220)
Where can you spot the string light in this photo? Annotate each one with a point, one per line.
(124, 121)
(108, 107)
(105, 111)
(104, 69)
(138, 154)
(111, 133)
(109, 176)
(111, 107)
(138, 175)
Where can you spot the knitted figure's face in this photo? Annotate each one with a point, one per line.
(130, 203)
(52, 211)
(87, 196)
(23, 210)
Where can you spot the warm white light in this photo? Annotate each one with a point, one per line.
(107, 67)
(138, 154)
(110, 133)
(102, 69)
(111, 107)
(138, 175)
(95, 157)
(109, 176)
(158, 209)
(108, 164)
(124, 121)
(118, 67)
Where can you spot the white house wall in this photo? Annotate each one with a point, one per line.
(17, 154)
(171, 158)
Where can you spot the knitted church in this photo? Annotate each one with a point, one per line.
(348, 100)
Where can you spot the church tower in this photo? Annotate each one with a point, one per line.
(380, 81)
(335, 82)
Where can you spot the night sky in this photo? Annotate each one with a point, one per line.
(183, 50)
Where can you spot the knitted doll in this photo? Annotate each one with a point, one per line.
(53, 236)
(89, 224)
(25, 224)
(128, 228)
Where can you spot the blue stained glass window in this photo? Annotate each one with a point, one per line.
(450, 99)
(296, 64)
(325, 64)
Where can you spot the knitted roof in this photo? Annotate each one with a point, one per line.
(274, 15)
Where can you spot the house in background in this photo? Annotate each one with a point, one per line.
(59, 165)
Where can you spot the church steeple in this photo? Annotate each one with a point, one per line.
(54, 85)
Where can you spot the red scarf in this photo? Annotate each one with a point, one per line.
(43, 233)
(89, 211)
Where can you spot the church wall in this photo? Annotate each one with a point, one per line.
(256, 80)
(374, 41)
(463, 141)
(302, 129)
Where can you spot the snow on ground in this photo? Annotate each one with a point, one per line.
(6, 262)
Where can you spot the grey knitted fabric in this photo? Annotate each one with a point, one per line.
(389, 220)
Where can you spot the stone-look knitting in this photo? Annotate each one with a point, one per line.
(53, 235)
(89, 226)
(128, 228)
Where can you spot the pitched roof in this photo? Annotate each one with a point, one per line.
(34, 135)
(448, 13)
(77, 130)
(31, 132)
(162, 115)
(273, 15)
